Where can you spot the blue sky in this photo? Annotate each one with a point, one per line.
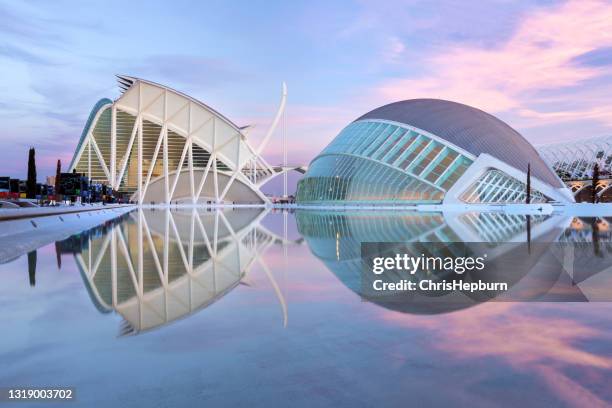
(544, 67)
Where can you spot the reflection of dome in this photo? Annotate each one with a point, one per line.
(336, 238)
(428, 150)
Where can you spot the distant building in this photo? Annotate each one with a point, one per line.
(5, 184)
(73, 184)
(15, 185)
(575, 160)
(574, 163)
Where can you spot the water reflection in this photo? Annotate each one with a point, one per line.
(157, 266)
(32, 267)
(589, 254)
(541, 263)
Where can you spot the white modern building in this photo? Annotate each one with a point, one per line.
(428, 151)
(159, 146)
(575, 160)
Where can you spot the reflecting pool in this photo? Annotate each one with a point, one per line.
(233, 307)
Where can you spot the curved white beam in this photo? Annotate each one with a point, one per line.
(279, 113)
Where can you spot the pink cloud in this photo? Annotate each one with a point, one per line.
(542, 344)
(510, 334)
(539, 57)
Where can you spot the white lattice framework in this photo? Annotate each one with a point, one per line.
(160, 266)
(575, 160)
(160, 146)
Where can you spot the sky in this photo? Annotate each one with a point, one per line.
(544, 67)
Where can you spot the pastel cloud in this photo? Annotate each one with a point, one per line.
(543, 69)
(529, 338)
(527, 73)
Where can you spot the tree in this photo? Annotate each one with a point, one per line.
(594, 183)
(58, 179)
(528, 198)
(31, 181)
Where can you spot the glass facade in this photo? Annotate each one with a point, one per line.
(495, 186)
(374, 161)
(90, 165)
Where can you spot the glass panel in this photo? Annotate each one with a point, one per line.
(407, 140)
(427, 157)
(452, 175)
(369, 137)
(496, 186)
(390, 144)
(348, 179)
(382, 137)
(414, 150)
(442, 162)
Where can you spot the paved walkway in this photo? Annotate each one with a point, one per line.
(31, 212)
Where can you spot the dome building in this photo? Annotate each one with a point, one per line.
(428, 151)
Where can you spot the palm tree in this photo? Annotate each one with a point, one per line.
(594, 183)
(31, 181)
(528, 198)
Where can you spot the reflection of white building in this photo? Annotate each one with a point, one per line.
(336, 237)
(160, 145)
(160, 266)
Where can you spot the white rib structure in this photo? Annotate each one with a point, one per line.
(159, 266)
(575, 160)
(162, 146)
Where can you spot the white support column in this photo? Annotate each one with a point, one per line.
(113, 264)
(153, 161)
(216, 232)
(92, 142)
(113, 158)
(191, 241)
(204, 176)
(128, 152)
(190, 158)
(89, 264)
(139, 164)
(179, 168)
(228, 185)
(140, 258)
(166, 245)
(165, 163)
(215, 179)
(152, 249)
(89, 160)
(233, 178)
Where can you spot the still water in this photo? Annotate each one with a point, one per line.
(229, 308)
